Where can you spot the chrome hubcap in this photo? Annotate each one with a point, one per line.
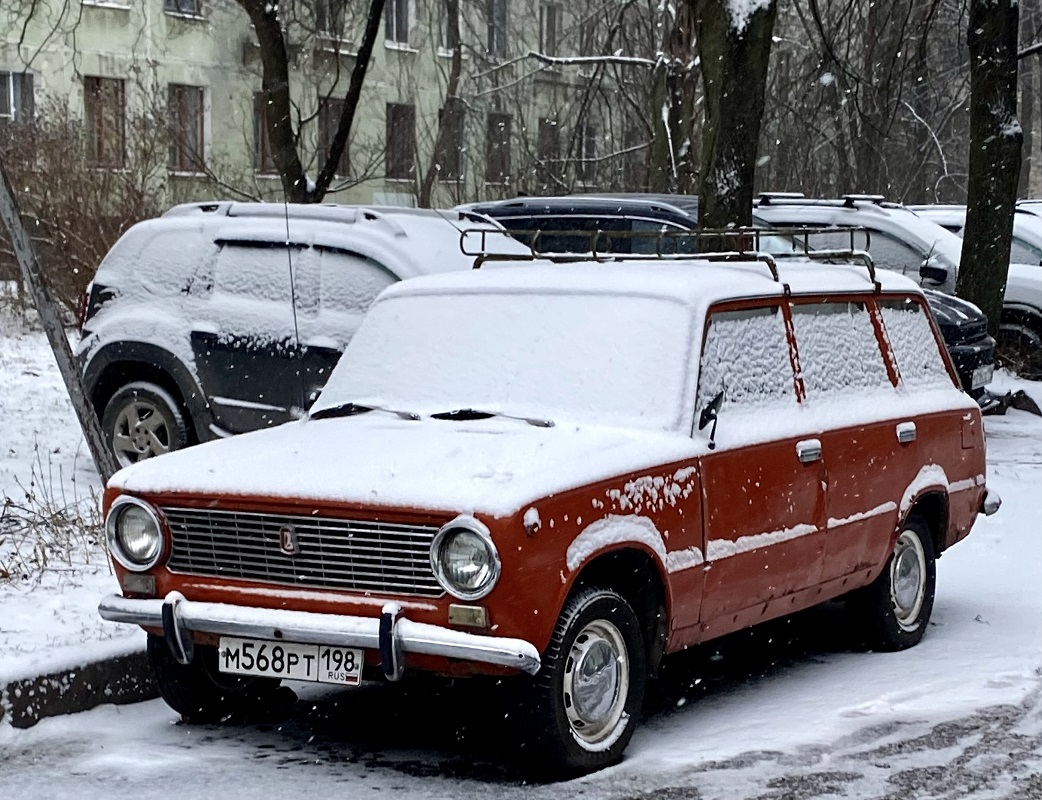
(908, 578)
(596, 684)
(140, 432)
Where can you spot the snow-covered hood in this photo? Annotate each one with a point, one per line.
(492, 466)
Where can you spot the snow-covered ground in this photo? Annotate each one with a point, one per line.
(789, 711)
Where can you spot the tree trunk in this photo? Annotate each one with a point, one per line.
(282, 138)
(995, 142)
(50, 317)
(1027, 113)
(734, 59)
(673, 108)
(449, 113)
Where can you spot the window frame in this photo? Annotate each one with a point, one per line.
(497, 17)
(330, 110)
(397, 13)
(497, 148)
(400, 160)
(549, 29)
(179, 159)
(263, 160)
(97, 133)
(176, 8)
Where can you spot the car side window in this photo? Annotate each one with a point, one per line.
(890, 253)
(645, 242)
(350, 283)
(838, 349)
(915, 348)
(746, 356)
(257, 271)
(1023, 253)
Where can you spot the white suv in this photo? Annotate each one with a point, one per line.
(221, 318)
(919, 244)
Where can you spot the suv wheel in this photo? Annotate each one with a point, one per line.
(1020, 349)
(142, 420)
(894, 610)
(582, 708)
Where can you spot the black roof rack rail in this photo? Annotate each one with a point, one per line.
(741, 244)
(766, 198)
(850, 199)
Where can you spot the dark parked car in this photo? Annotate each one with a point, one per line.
(626, 223)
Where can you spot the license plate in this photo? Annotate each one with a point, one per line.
(297, 662)
(982, 376)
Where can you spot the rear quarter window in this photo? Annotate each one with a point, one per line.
(919, 360)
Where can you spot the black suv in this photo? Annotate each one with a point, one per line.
(613, 223)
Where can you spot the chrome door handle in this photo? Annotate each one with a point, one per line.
(906, 432)
(808, 450)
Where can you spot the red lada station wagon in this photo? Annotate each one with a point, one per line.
(562, 474)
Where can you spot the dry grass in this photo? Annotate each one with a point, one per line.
(45, 530)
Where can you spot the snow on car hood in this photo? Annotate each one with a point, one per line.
(493, 466)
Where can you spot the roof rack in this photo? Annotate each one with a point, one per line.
(850, 199)
(766, 197)
(741, 244)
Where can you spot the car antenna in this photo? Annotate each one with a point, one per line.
(293, 305)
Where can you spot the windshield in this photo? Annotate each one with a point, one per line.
(594, 358)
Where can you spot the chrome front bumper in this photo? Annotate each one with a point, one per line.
(391, 634)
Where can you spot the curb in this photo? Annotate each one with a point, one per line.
(119, 680)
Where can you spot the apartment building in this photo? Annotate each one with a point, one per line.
(187, 74)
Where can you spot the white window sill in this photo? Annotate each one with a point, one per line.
(185, 16)
(328, 43)
(185, 173)
(106, 4)
(270, 176)
(401, 47)
(400, 181)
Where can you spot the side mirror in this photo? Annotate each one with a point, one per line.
(711, 414)
(929, 271)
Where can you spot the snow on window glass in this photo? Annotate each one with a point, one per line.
(608, 359)
(257, 272)
(918, 359)
(350, 284)
(839, 352)
(746, 356)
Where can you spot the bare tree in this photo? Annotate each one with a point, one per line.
(995, 143)
(734, 52)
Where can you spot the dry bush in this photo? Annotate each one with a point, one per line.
(45, 530)
(75, 211)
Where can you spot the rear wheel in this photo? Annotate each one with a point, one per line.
(894, 610)
(143, 420)
(200, 692)
(1020, 349)
(582, 707)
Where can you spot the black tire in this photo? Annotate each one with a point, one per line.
(1019, 349)
(199, 692)
(894, 610)
(564, 734)
(143, 420)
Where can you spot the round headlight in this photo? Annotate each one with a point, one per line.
(134, 534)
(464, 559)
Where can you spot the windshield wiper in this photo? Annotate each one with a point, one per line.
(461, 414)
(352, 409)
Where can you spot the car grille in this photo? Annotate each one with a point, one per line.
(347, 555)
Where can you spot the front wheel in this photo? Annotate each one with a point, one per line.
(200, 692)
(894, 610)
(582, 707)
(142, 420)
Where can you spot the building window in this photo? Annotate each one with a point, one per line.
(497, 28)
(452, 158)
(396, 21)
(549, 19)
(586, 165)
(549, 145)
(16, 96)
(190, 8)
(263, 162)
(400, 158)
(186, 113)
(449, 38)
(330, 18)
(497, 148)
(104, 117)
(330, 110)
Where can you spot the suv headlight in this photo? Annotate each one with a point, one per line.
(134, 534)
(464, 558)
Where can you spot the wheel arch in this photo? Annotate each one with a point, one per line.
(639, 577)
(120, 363)
(931, 506)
